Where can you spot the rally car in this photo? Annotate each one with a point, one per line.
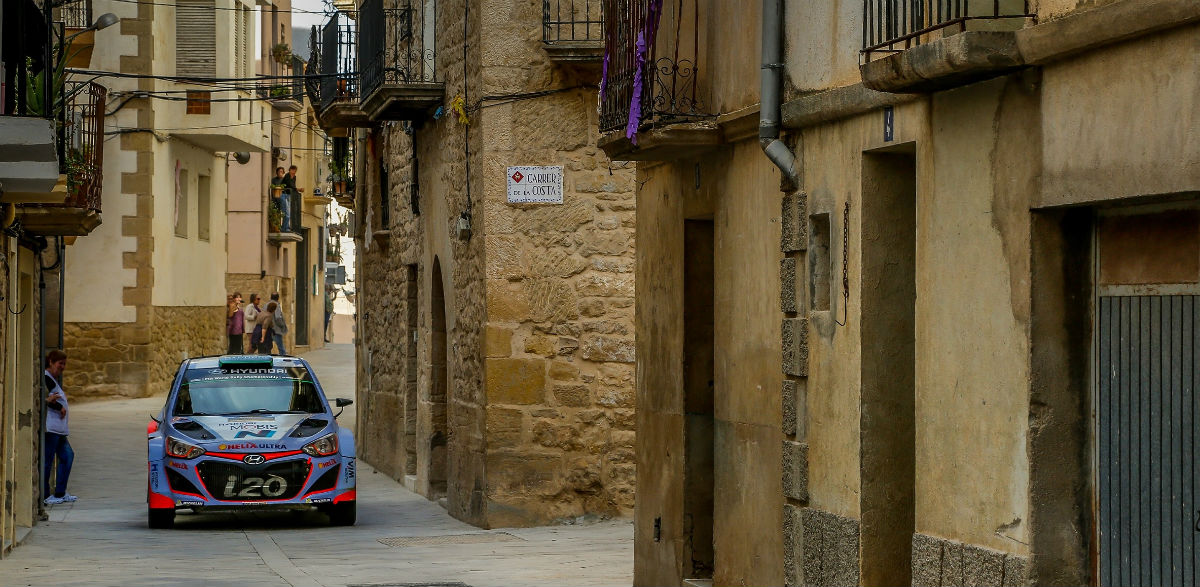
(249, 432)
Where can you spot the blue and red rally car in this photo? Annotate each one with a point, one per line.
(249, 432)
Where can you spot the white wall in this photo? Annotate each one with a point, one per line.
(188, 271)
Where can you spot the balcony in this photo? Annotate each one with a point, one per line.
(926, 45)
(397, 54)
(650, 104)
(81, 143)
(573, 30)
(339, 108)
(289, 96)
(276, 232)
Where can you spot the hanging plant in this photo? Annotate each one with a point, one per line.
(282, 53)
(275, 218)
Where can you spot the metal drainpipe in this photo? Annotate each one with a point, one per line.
(769, 103)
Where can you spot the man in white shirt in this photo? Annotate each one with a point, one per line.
(57, 446)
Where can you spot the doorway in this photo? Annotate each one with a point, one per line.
(438, 401)
(1146, 425)
(888, 366)
(698, 383)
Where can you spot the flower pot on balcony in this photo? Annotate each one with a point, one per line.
(339, 186)
(276, 191)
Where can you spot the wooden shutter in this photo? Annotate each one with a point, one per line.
(195, 38)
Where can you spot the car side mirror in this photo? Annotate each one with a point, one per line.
(342, 402)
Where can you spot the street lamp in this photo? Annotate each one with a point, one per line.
(102, 22)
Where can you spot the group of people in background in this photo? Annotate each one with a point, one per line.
(266, 326)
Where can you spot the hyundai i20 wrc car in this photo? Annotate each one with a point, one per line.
(249, 432)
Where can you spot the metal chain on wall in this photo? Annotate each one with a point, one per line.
(845, 265)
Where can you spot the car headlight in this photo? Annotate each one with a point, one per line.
(323, 446)
(182, 450)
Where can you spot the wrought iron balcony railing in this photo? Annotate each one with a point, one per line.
(312, 69)
(339, 62)
(393, 47)
(895, 25)
(646, 79)
(572, 21)
(83, 143)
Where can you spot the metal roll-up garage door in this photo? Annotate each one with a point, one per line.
(1146, 437)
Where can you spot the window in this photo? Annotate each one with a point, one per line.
(181, 201)
(195, 38)
(203, 207)
(241, 25)
(199, 102)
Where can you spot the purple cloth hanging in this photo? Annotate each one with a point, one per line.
(645, 40)
(604, 76)
(635, 105)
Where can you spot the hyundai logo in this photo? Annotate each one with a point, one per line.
(253, 459)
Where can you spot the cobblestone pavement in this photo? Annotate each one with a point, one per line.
(103, 539)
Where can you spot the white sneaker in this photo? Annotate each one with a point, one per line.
(70, 498)
(53, 500)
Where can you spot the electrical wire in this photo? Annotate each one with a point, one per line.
(173, 5)
(206, 80)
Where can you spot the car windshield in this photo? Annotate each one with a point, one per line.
(218, 391)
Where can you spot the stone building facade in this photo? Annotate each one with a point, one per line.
(910, 351)
(496, 362)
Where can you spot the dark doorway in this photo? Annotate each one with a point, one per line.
(438, 374)
(303, 289)
(698, 376)
(888, 400)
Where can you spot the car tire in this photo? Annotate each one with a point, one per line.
(161, 518)
(342, 514)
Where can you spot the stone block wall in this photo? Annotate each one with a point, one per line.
(938, 561)
(106, 359)
(179, 332)
(560, 292)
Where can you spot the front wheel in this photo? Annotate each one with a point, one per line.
(161, 518)
(342, 514)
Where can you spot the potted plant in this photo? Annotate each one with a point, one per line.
(282, 53)
(338, 175)
(275, 218)
(280, 92)
(276, 190)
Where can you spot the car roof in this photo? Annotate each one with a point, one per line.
(213, 361)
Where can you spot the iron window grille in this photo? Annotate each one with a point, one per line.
(572, 20)
(385, 197)
(890, 26)
(392, 43)
(76, 14)
(648, 77)
(339, 62)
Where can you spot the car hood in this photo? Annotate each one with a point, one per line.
(248, 427)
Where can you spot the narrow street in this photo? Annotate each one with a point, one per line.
(103, 539)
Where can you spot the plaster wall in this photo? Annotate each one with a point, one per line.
(821, 45)
(190, 271)
(94, 263)
(1094, 149)
(739, 191)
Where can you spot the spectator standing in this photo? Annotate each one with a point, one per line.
(251, 313)
(57, 447)
(329, 295)
(279, 324)
(235, 323)
(284, 200)
(264, 328)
